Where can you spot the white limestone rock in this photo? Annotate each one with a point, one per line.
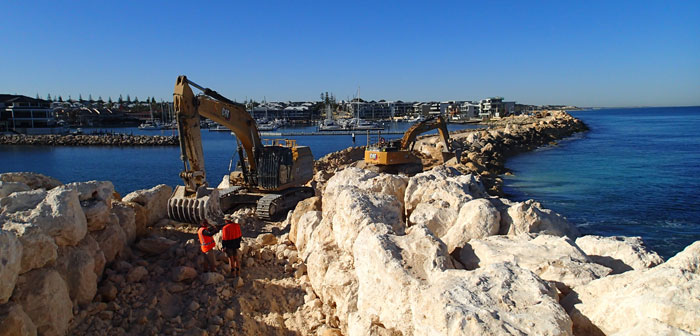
(438, 217)
(61, 216)
(154, 200)
(96, 213)
(38, 249)
(111, 239)
(305, 226)
(552, 258)
(44, 298)
(15, 322)
(7, 188)
(10, 263)
(349, 209)
(443, 186)
(127, 220)
(33, 180)
(386, 184)
(95, 190)
(666, 294)
(476, 219)
(620, 253)
(307, 205)
(499, 299)
(530, 217)
(77, 267)
(90, 245)
(21, 201)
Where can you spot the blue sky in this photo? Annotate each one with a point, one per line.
(587, 53)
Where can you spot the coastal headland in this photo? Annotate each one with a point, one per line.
(438, 253)
(89, 140)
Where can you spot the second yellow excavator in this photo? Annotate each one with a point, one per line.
(271, 177)
(396, 156)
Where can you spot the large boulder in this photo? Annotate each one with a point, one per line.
(309, 204)
(96, 201)
(476, 219)
(127, 220)
(7, 188)
(154, 200)
(531, 217)
(21, 201)
(387, 184)
(44, 297)
(305, 227)
(444, 187)
(15, 322)
(55, 213)
(94, 190)
(349, 209)
(33, 180)
(437, 217)
(90, 245)
(10, 263)
(666, 294)
(38, 249)
(552, 258)
(500, 299)
(77, 267)
(111, 239)
(620, 253)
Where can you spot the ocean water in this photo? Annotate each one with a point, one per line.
(132, 168)
(635, 173)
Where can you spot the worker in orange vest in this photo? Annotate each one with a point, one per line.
(231, 241)
(206, 240)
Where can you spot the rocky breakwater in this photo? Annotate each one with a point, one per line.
(89, 140)
(482, 151)
(434, 254)
(55, 242)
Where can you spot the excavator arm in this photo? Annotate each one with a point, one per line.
(189, 108)
(409, 138)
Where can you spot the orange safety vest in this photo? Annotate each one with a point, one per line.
(231, 231)
(207, 242)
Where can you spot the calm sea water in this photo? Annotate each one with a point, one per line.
(132, 168)
(635, 173)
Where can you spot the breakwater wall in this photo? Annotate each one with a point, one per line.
(89, 140)
(482, 151)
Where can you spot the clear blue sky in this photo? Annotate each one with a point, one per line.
(586, 53)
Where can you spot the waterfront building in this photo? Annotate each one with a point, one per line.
(27, 115)
(491, 107)
(469, 110)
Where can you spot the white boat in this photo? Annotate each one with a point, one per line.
(329, 124)
(267, 127)
(360, 124)
(417, 119)
(150, 125)
(219, 128)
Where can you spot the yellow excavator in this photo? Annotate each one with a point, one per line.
(269, 176)
(397, 156)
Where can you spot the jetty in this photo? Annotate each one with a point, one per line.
(339, 132)
(109, 139)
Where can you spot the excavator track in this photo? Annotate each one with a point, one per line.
(270, 206)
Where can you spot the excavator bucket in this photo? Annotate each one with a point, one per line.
(204, 204)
